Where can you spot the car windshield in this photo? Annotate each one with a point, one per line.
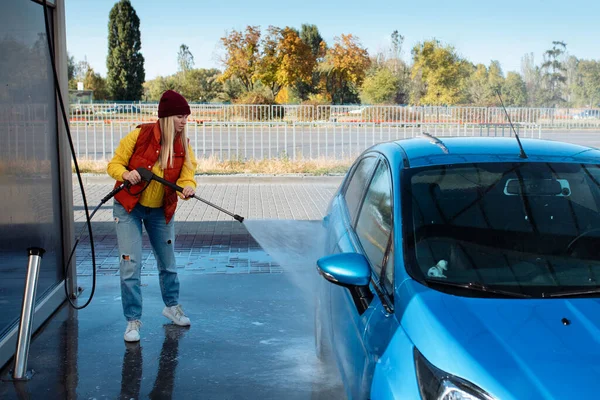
(531, 228)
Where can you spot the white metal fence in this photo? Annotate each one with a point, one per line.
(245, 132)
(563, 118)
(293, 140)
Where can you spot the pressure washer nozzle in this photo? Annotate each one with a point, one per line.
(239, 218)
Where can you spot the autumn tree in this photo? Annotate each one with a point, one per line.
(344, 68)
(285, 60)
(296, 59)
(97, 83)
(269, 61)
(242, 57)
(439, 74)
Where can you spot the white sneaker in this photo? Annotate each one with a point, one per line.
(132, 333)
(175, 314)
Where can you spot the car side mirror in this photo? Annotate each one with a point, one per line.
(345, 269)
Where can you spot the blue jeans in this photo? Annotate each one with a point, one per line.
(162, 239)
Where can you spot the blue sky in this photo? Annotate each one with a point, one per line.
(480, 31)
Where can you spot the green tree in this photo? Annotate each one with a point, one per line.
(202, 85)
(477, 86)
(514, 92)
(97, 83)
(70, 66)
(154, 89)
(554, 73)
(78, 71)
(185, 59)
(125, 63)
(232, 89)
(439, 75)
(494, 84)
(391, 59)
(534, 82)
(310, 35)
(588, 89)
(495, 76)
(397, 66)
(571, 84)
(380, 88)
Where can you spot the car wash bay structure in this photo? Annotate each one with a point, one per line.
(35, 164)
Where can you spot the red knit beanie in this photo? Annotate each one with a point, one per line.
(172, 103)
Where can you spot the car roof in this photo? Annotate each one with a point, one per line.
(424, 151)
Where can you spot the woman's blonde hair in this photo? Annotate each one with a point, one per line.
(167, 127)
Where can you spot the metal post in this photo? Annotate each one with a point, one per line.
(26, 323)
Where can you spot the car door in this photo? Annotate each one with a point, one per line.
(360, 332)
(336, 225)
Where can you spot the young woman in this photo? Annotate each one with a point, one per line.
(163, 148)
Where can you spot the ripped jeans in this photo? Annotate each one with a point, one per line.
(162, 239)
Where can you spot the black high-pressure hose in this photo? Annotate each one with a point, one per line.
(66, 122)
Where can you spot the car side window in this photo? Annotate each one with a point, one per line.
(374, 225)
(356, 185)
(388, 279)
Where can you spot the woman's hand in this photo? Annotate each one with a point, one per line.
(188, 191)
(132, 176)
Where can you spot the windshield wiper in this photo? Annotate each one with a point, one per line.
(572, 293)
(476, 286)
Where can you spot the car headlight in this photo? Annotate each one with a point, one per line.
(435, 384)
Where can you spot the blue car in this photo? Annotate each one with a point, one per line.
(464, 268)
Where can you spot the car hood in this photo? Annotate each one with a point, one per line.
(512, 348)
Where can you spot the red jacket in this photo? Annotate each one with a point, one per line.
(145, 154)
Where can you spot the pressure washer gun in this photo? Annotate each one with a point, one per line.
(148, 176)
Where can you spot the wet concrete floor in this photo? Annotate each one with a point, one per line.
(251, 336)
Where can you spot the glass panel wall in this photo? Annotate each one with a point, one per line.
(30, 203)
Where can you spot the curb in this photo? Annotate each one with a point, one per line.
(96, 179)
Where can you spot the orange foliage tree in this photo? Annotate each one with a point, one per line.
(242, 56)
(344, 68)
